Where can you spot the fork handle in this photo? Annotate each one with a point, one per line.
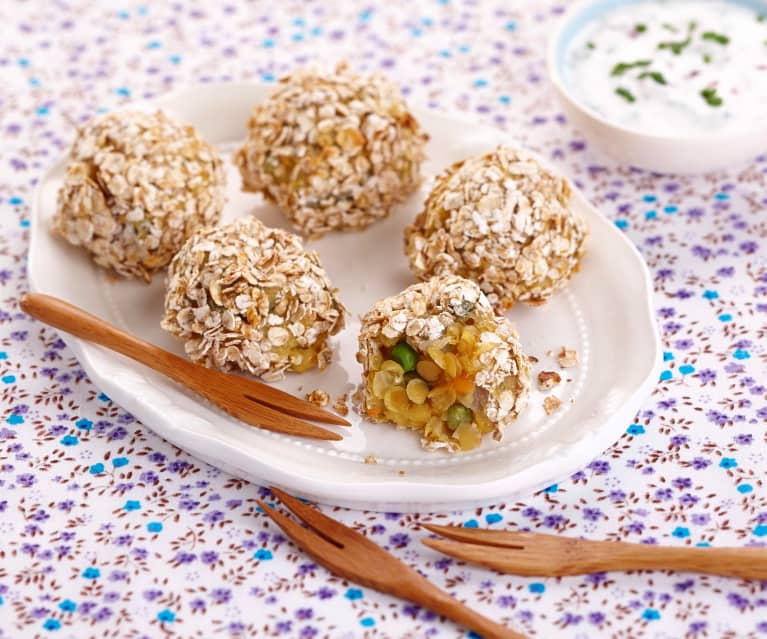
(599, 556)
(75, 321)
(426, 594)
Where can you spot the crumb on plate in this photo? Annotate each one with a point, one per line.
(548, 379)
(551, 404)
(567, 357)
(341, 405)
(318, 397)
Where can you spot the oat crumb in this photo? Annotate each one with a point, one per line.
(533, 359)
(341, 406)
(567, 357)
(551, 404)
(318, 398)
(548, 379)
(371, 459)
(401, 473)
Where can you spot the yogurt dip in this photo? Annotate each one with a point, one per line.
(675, 68)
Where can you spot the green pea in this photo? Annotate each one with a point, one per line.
(458, 414)
(405, 356)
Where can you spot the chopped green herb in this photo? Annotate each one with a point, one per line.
(640, 28)
(760, 17)
(591, 45)
(675, 47)
(622, 67)
(625, 94)
(669, 27)
(707, 57)
(716, 37)
(654, 75)
(692, 26)
(711, 98)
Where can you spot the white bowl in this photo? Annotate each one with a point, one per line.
(636, 148)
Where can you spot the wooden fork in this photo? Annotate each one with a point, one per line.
(541, 555)
(249, 401)
(354, 557)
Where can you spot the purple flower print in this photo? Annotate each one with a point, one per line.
(737, 600)
(699, 463)
(596, 618)
(599, 466)
(592, 514)
(184, 557)
(197, 604)
(399, 540)
(214, 516)
(26, 480)
(221, 595)
(103, 614)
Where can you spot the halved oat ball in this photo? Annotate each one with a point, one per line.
(249, 297)
(438, 360)
(502, 220)
(137, 185)
(333, 151)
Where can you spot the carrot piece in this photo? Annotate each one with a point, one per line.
(463, 385)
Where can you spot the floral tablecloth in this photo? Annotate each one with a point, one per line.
(108, 531)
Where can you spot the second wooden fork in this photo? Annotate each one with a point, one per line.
(540, 555)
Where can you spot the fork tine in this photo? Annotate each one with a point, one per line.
(537, 562)
(289, 404)
(508, 562)
(502, 538)
(329, 528)
(303, 537)
(262, 416)
(262, 393)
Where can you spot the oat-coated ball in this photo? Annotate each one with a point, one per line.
(136, 186)
(437, 359)
(249, 297)
(502, 220)
(333, 151)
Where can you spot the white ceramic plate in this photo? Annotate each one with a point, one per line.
(605, 314)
